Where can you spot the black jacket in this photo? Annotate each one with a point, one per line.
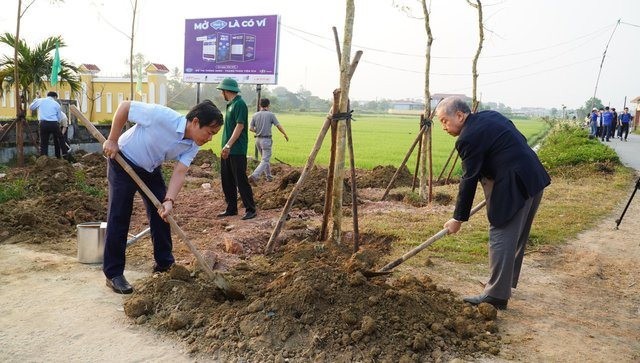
(490, 146)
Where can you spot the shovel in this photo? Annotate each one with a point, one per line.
(387, 268)
(217, 278)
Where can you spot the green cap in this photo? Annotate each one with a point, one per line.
(229, 84)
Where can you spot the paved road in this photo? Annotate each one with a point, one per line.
(628, 151)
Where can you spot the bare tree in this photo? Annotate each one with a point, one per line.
(338, 176)
(134, 5)
(131, 36)
(478, 6)
(426, 137)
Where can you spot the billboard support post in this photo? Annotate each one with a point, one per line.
(258, 98)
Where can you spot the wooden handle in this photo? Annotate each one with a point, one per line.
(217, 278)
(426, 243)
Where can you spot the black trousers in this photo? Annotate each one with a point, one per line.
(624, 130)
(48, 128)
(233, 174)
(121, 191)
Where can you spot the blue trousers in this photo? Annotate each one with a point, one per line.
(121, 191)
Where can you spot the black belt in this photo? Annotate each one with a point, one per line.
(263, 137)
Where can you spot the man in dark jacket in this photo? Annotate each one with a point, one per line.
(496, 154)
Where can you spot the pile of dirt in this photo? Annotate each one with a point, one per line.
(58, 196)
(311, 302)
(311, 194)
(380, 177)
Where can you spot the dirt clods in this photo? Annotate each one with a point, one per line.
(304, 302)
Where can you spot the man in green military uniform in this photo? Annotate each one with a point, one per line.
(233, 163)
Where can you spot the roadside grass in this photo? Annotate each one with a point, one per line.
(584, 191)
(81, 183)
(15, 189)
(378, 140)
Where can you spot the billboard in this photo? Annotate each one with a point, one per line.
(244, 48)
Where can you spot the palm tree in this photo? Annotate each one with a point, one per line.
(34, 66)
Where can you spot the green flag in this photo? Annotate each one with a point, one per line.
(55, 66)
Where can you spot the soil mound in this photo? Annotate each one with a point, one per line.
(57, 197)
(311, 302)
(380, 177)
(311, 195)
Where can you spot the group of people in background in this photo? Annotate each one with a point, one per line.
(606, 123)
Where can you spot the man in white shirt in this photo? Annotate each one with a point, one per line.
(159, 134)
(50, 114)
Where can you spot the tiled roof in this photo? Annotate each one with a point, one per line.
(90, 67)
(157, 67)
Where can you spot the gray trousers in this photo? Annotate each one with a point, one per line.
(264, 146)
(507, 245)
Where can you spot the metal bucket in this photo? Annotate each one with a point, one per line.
(91, 242)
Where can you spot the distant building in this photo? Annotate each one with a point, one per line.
(531, 111)
(416, 107)
(408, 107)
(437, 97)
(100, 96)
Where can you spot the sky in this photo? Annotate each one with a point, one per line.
(536, 53)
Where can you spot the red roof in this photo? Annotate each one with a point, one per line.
(91, 67)
(160, 67)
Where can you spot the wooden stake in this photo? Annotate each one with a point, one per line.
(296, 189)
(453, 166)
(404, 162)
(444, 168)
(430, 156)
(415, 175)
(329, 185)
(354, 194)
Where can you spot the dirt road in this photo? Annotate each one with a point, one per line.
(54, 309)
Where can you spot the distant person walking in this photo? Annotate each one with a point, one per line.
(496, 155)
(625, 120)
(50, 114)
(233, 165)
(593, 122)
(615, 128)
(607, 123)
(261, 124)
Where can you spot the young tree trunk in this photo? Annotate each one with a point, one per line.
(478, 6)
(16, 83)
(338, 175)
(133, 27)
(424, 178)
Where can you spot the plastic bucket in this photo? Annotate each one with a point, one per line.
(91, 242)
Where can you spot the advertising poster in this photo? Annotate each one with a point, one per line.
(244, 48)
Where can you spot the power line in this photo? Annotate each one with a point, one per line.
(400, 69)
(454, 57)
(625, 23)
(527, 75)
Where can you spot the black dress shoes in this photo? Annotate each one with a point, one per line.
(499, 304)
(226, 214)
(249, 215)
(120, 285)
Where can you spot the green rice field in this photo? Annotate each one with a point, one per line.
(377, 139)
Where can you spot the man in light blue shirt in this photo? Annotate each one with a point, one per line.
(50, 114)
(159, 134)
